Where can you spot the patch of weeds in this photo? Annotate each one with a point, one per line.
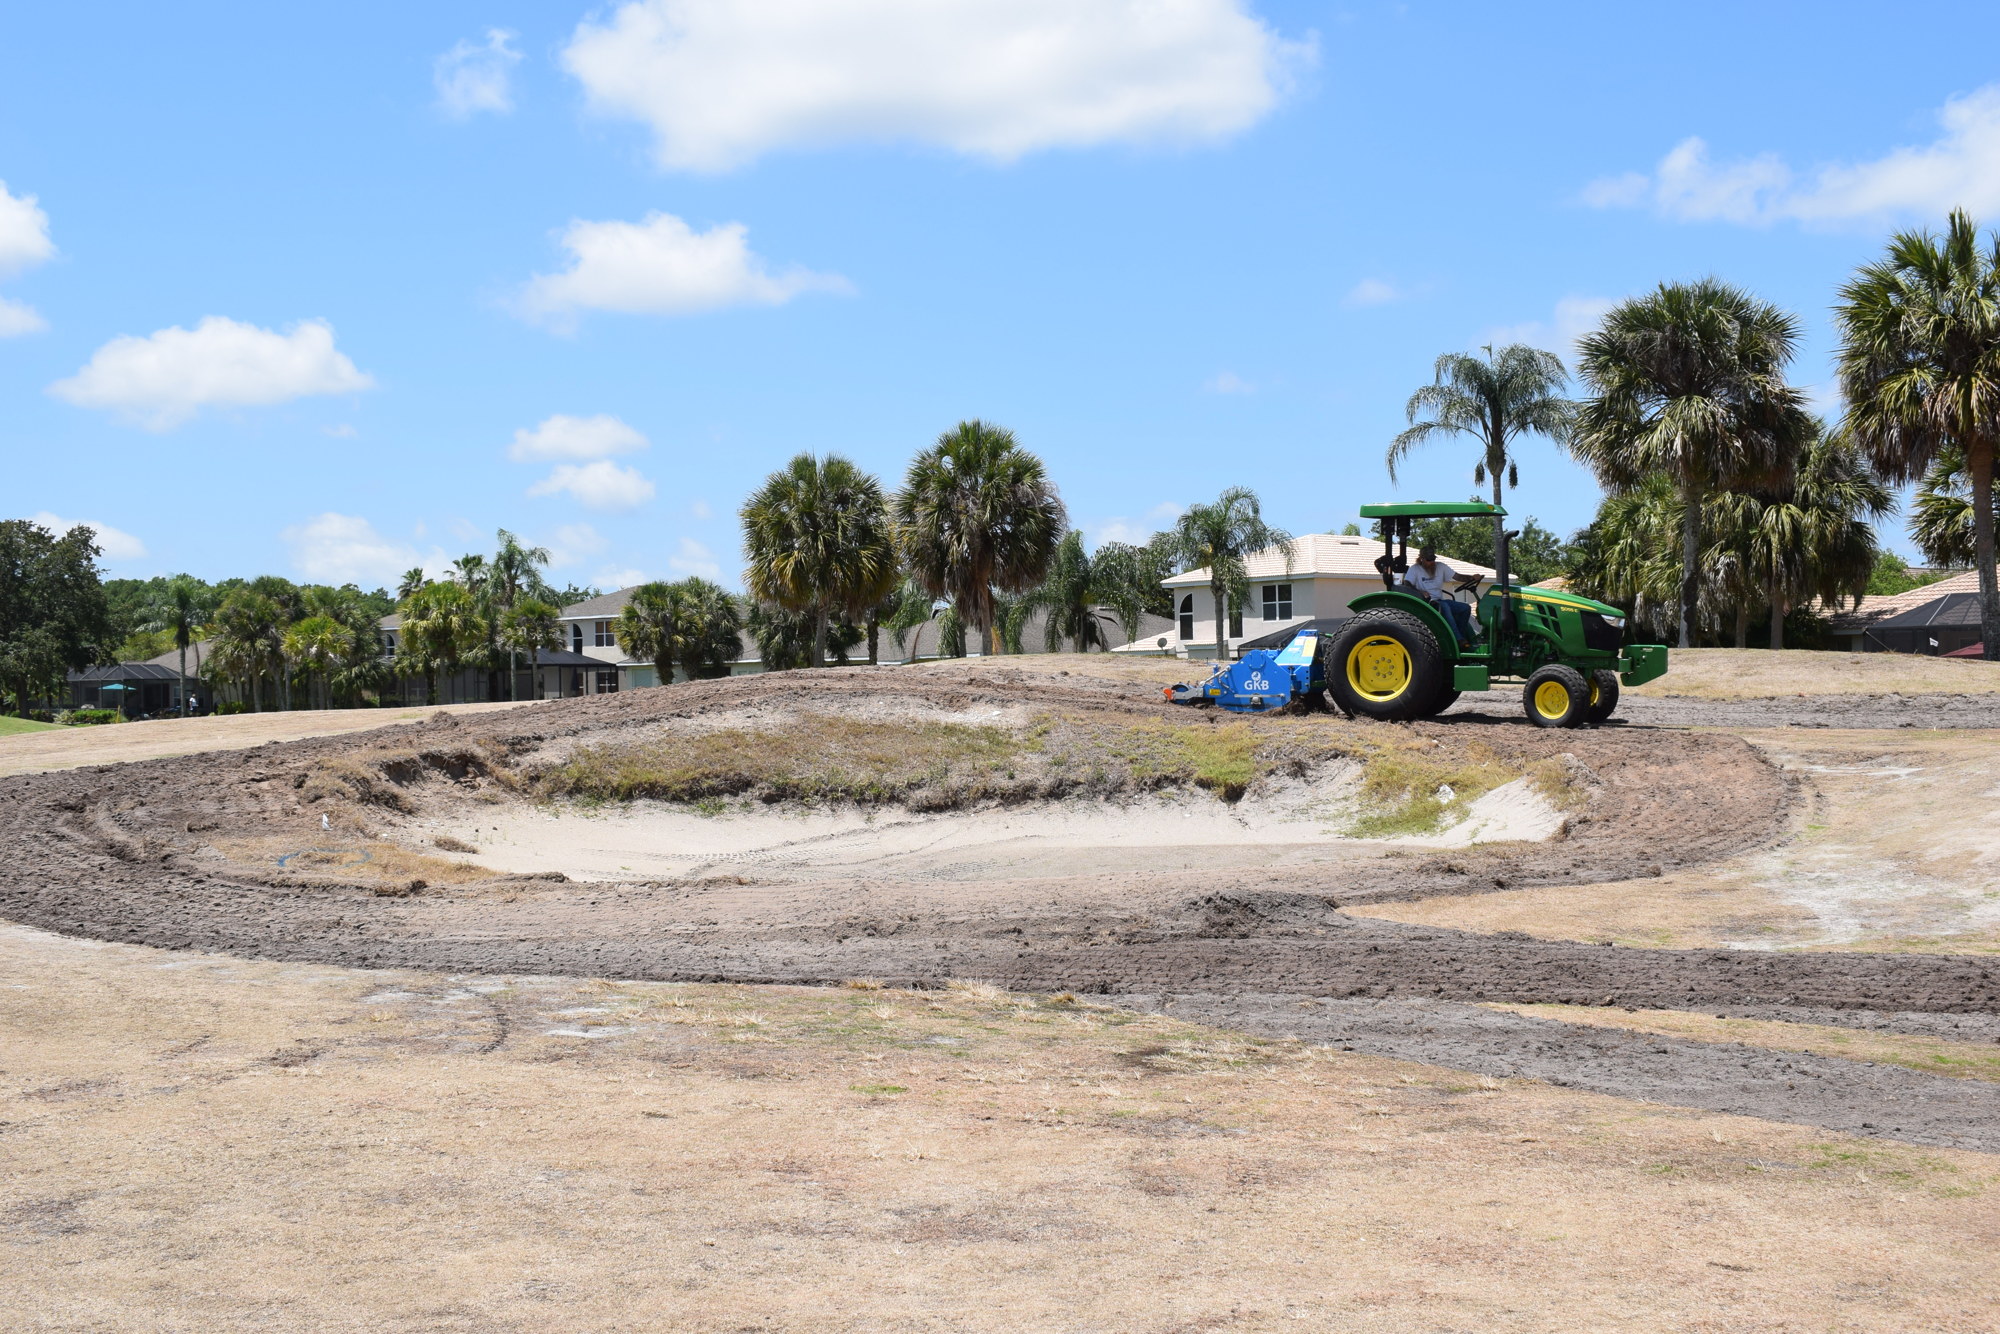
(1403, 788)
(878, 1090)
(1222, 758)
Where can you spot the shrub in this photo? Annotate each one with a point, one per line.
(91, 717)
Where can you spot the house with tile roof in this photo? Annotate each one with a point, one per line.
(1936, 619)
(1324, 573)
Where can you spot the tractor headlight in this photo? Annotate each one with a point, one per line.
(1616, 622)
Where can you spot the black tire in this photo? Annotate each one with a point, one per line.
(1385, 664)
(1445, 699)
(1603, 696)
(1556, 697)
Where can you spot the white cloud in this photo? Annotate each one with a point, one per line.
(691, 557)
(1135, 531)
(562, 437)
(1958, 169)
(720, 82)
(1371, 292)
(473, 76)
(162, 380)
(662, 267)
(1574, 317)
(341, 432)
(617, 577)
(345, 548)
(602, 485)
(700, 509)
(572, 544)
(24, 232)
(1229, 382)
(17, 318)
(116, 543)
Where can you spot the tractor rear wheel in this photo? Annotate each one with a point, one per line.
(1556, 696)
(1603, 696)
(1385, 664)
(1445, 699)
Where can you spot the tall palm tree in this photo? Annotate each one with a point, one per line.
(1219, 537)
(183, 608)
(247, 627)
(529, 626)
(317, 645)
(412, 580)
(1689, 381)
(516, 571)
(1941, 513)
(1070, 597)
(1920, 368)
(1516, 391)
(441, 627)
(977, 516)
(1814, 538)
(649, 627)
(818, 537)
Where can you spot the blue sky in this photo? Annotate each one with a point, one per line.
(330, 294)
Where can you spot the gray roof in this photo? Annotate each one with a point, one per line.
(602, 607)
(922, 642)
(127, 671)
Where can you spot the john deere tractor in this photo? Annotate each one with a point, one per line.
(1397, 656)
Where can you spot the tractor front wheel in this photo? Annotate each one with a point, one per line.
(1603, 696)
(1557, 697)
(1385, 664)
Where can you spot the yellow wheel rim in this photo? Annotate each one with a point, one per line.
(1596, 694)
(1379, 668)
(1551, 700)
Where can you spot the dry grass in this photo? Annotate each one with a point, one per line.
(205, 1144)
(1413, 787)
(68, 747)
(1730, 673)
(1932, 1056)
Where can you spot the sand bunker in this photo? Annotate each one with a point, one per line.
(1299, 824)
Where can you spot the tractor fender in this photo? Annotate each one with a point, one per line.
(1420, 608)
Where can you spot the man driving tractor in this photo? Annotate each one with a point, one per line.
(1429, 577)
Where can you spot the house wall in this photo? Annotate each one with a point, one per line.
(1313, 597)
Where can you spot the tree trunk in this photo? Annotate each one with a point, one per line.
(1980, 457)
(184, 680)
(1777, 617)
(1690, 560)
(819, 637)
(1742, 624)
(513, 684)
(986, 640)
(535, 671)
(663, 667)
(1221, 598)
(874, 636)
(1499, 521)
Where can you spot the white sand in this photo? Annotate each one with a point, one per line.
(1299, 824)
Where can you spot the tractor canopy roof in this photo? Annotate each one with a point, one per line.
(1432, 509)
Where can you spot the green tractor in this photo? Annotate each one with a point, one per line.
(1398, 657)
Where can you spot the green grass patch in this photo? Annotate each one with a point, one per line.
(1403, 788)
(1221, 757)
(15, 726)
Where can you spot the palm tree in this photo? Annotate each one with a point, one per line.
(413, 579)
(529, 626)
(1941, 513)
(819, 542)
(649, 626)
(710, 628)
(1513, 392)
(317, 645)
(249, 636)
(441, 626)
(182, 610)
(977, 516)
(1218, 537)
(1814, 538)
(516, 571)
(1689, 381)
(1070, 596)
(1920, 368)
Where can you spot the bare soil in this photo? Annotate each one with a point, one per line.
(198, 1143)
(1738, 674)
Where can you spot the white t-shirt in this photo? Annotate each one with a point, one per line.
(1430, 583)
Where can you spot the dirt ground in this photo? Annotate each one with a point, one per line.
(218, 1144)
(1733, 673)
(1354, 1094)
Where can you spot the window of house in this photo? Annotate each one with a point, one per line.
(576, 637)
(607, 683)
(1277, 602)
(605, 639)
(1187, 617)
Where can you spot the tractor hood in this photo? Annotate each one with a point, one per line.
(1556, 597)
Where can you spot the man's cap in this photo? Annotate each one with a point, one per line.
(1426, 550)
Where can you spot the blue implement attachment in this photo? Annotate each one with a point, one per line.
(1261, 680)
